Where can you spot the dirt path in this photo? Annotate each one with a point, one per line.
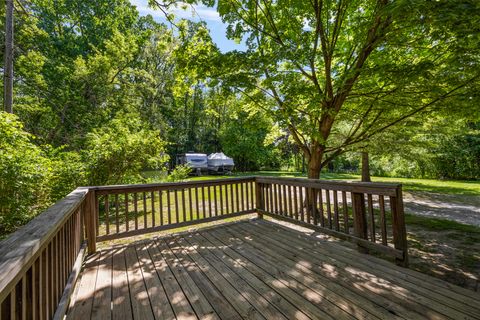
(459, 208)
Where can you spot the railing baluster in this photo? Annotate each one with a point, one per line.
(290, 202)
(329, 208)
(127, 222)
(281, 205)
(56, 269)
(274, 198)
(97, 216)
(190, 203)
(152, 202)
(145, 222)
(264, 196)
(302, 204)
(232, 198)
(321, 213)
(117, 208)
(169, 210)
(209, 202)
(51, 283)
(177, 213)
(240, 185)
(226, 199)
(204, 209)
(277, 199)
(221, 199)
(107, 221)
(345, 212)
(35, 290)
(308, 204)
(215, 200)
(135, 209)
(13, 303)
(295, 201)
(270, 198)
(160, 199)
(44, 285)
(372, 217)
(24, 302)
(253, 187)
(184, 206)
(237, 197)
(335, 210)
(247, 196)
(197, 211)
(63, 246)
(383, 221)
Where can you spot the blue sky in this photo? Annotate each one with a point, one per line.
(209, 15)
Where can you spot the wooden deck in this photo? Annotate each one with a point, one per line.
(258, 270)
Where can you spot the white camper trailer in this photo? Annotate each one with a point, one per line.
(197, 161)
(219, 162)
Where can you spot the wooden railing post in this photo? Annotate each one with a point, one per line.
(398, 225)
(90, 221)
(259, 199)
(360, 218)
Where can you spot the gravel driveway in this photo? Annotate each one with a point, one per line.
(459, 208)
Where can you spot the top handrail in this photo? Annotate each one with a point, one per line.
(379, 188)
(166, 185)
(19, 250)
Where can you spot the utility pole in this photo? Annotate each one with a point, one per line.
(8, 66)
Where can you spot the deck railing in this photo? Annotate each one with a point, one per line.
(39, 263)
(125, 211)
(352, 211)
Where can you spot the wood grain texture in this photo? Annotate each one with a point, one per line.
(258, 269)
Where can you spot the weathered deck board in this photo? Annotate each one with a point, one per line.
(412, 295)
(258, 270)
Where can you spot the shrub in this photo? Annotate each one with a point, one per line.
(25, 173)
(117, 152)
(180, 173)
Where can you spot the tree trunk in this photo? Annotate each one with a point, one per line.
(365, 167)
(8, 67)
(314, 165)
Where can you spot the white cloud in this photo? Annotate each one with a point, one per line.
(207, 13)
(195, 12)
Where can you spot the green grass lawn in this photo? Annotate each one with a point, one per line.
(428, 185)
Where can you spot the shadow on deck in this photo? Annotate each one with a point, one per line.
(256, 269)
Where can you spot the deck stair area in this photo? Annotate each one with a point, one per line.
(253, 268)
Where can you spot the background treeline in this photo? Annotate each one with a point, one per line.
(102, 94)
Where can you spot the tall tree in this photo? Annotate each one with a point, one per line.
(343, 71)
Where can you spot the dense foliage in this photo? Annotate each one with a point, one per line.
(102, 93)
(341, 73)
(24, 174)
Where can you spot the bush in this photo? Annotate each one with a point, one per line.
(180, 173)
(25, 173)
(68, 173)
(117, 152)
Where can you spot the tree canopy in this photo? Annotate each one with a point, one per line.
(341, 72)
(102, 94)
